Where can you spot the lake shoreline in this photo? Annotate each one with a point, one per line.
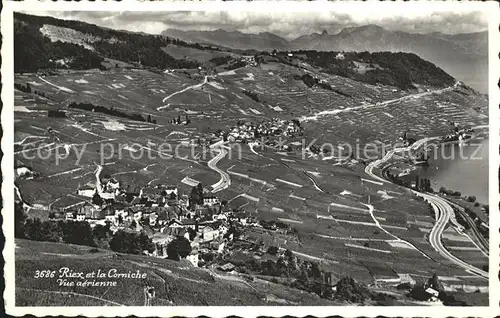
(468, 176)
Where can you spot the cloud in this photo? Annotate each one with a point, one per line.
(286, 24)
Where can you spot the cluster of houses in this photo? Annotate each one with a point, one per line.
(162, 212)
(248, 131)
(249, 60)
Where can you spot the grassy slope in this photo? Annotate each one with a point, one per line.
(175, 283)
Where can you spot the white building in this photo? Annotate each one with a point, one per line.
(112, 185)
(208, 233)
(107, 195)
(170, 190)
(211, 201)
(86, 191)
(193, 257)
(340, 56)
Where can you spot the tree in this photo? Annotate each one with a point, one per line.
(96, 199)
(131, 243)
(272, 250)
(19, 220)
(120, 242)
(304, 277)
(145, 243)
(350, 290)
(316, 272)
(101, 231)
(102, 235)
(435, 283)
(79, 233)
(178, 248)
(192, 234)
(149, 118)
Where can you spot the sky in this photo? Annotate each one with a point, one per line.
(289, 25)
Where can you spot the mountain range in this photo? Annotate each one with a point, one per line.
(465, 56)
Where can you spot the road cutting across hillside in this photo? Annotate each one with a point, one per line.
(380, 104)
(443, 212)
(225, 179)
(441, 207)
(182, 91)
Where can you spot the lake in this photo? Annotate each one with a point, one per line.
(461, 168)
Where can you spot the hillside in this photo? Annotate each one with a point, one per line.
(233, 39)
(49, 43)
(175, 283)
(54, 43)
(402, 70)
(469, 51)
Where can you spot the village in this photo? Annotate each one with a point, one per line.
(164, 214)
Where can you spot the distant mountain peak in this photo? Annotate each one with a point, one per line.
(365, 29)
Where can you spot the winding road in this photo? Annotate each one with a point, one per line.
(442, 209)
(225, 179)
(182, 91)
(443, 213)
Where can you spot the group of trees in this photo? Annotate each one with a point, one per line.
(220, 60)
(177, 120)
(178, 248)
(196, 195)
(23, 88)
(396, 69)
(418, 292)
(234, 65)
(252, 95)
(423, 184)
(108, 111)
(309, 277)
(79, 233)
(27, 89)
(445, 191)
(150, 119)
(274, 225)
(34, 51)
(131, 242)
(56, 114)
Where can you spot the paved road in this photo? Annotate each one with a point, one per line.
(98, 178)
(375, 164)
(442, 208)
(380, 104)
(481, 243)
(443, 212)
(225, 179)
(182, 91)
